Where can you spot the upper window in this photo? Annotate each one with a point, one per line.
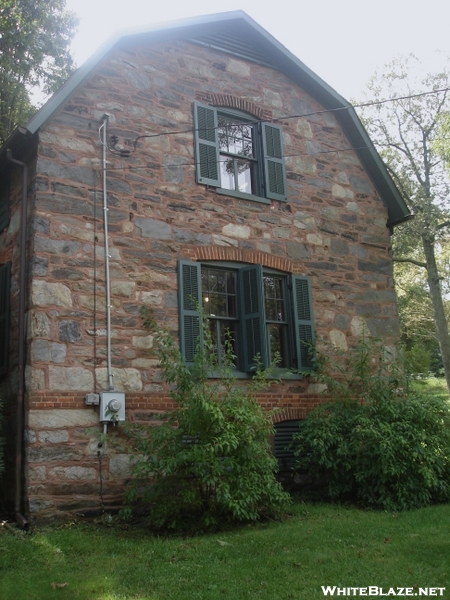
(260, 312)
(238, 154)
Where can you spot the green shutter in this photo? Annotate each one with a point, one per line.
(189, 298)
(206, 145)
(274, 169)
(253, 316)
(4, 204)
(282, 440)
(5, 287)
(303, 320)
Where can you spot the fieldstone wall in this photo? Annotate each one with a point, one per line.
(68, 471)
(332, 228)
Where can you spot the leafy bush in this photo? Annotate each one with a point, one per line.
(418, 361)
(210, 460)
(375, 443)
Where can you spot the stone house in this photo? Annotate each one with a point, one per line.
(227, 172)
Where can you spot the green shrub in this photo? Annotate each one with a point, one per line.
(374, 443)
(418, 361)
(210, 461)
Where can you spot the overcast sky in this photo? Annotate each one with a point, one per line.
(343, 41)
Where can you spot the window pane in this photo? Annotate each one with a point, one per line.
(231, 282)
(276, 318)
(277, 343)
(241, 140)
(217, 305)
(235, 145)
(274, 298)
(269, 287)
(279, 287)
(271, 310)
(219, 292)
(236, 174)
(220, 279)
(222, 132)
(280, 311)
(204, 280)
(235, 137)
(223, 337)
(244, 170)
(228, 341)
(227, 173)
(214, 334)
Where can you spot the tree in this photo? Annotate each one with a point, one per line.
(442, 142)
(34, 54)
(415, 308)
(417, 326)
(403, 123)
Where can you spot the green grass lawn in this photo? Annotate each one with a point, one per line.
(318, 546)
(432, 385)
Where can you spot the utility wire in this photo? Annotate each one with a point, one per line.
(193, 164)
(128, 154)
(288, 117)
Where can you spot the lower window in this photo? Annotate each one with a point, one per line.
(282, 443)
(255, 311)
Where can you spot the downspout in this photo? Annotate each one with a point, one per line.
(21, 520)
(107, 257)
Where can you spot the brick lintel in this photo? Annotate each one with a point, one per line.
(227, 100)
(246, 256)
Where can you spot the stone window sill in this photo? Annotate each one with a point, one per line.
(242, 196)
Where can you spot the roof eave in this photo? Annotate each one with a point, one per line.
(17, 142)
(77, 79)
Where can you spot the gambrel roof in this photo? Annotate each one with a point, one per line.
(237, 34)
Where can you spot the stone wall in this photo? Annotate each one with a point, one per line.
(332, 228)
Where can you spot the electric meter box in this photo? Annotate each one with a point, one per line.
(112, 406)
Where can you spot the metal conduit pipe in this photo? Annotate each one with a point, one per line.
(105, 119)
(21, 520)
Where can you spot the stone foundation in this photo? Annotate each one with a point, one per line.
(68, 474)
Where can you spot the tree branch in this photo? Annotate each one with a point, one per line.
(412, 261)
(443, 225)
